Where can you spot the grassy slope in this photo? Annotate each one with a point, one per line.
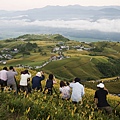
(78, 64)
(83, 67)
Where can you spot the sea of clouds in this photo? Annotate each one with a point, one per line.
(103, 25)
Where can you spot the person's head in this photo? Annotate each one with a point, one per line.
(62, 84)
(26, 72)
(77, 79)
(38, 74)
(100, 86)
(68, 83)
(51, 76)
(11, 68)
(22, 72)
(5, 68)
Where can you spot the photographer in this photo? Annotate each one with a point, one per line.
(11, 81)
(36, 81)
(25, 75)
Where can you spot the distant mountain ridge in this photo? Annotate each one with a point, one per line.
(66, 12)
(62, 20)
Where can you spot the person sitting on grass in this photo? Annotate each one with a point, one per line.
(77, 91)
(49, 84)
(100, 98)
(64, 90)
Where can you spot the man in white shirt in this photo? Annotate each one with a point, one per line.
(3, 78)
(77, 90)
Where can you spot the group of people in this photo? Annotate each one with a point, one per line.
(77, 90)
(7, 78)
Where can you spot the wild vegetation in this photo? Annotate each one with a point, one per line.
(39, 106)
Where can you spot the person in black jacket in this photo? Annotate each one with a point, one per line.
(36, 81)
(49, 84)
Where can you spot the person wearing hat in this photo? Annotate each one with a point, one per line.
(100, 98)
(36, 81)
(77, 91)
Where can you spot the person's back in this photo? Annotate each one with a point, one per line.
(3, 75)
(36, 81)
(3, 78)
(77, 91)
(24, 78)
(64, 90)
(11, 81)
(49, 84)
(11, 76)
(100, 98)
(101, 95)
(25, 75)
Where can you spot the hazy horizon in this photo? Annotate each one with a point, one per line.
(30, 4)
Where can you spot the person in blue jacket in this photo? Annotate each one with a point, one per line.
(36, 81)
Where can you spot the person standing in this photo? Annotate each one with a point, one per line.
(100, 98)
(77, 91)
(25, 75)
(36, 81)
(11, 81)
(3, 78)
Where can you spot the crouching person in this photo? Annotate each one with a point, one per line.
(77, 91)
(49, 84)
(100, 98)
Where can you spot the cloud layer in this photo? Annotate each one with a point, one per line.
(103, 25)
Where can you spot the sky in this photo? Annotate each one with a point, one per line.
(30, 4)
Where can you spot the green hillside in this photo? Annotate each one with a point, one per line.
(75, 66)
(43, 37)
